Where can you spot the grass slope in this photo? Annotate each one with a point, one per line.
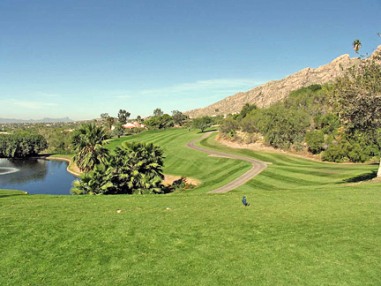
(182, 161)
(306, 226)
(294, 173)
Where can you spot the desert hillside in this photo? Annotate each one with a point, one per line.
(273, 91)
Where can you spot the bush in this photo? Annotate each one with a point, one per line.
(21, 145)
(334, 153)
(315, 141)
(181, 185)
(229, 127)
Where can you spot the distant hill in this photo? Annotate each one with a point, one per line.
(274, 91)
(44, 120)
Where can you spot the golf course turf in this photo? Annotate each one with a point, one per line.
(309, 223)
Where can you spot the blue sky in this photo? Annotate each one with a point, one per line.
(83, 58)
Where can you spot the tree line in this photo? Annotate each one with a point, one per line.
(21, 145)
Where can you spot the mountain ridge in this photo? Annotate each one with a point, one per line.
(44, 120)
(276, 90)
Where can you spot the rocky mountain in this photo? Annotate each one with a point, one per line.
(274, 91)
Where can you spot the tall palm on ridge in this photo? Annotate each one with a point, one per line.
(356, 45)
(88, 143)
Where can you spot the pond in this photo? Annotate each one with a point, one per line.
(36, 176)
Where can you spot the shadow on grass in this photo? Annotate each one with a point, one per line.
(362, 177)
(209, 130)
(7, 195)
(4, 193)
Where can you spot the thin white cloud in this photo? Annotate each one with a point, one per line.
(210, 88)
(214, 85)
(124, 96)
(47, 95)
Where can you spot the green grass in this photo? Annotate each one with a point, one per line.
(182, 161)
(294, 173)
(306, 226)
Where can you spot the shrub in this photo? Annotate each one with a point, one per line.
(315, 141)
(181, 185)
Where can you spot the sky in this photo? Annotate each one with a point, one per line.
(81, 58)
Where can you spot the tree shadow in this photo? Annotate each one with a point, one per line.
(209, 130)
(362, 177)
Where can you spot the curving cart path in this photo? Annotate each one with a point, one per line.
(257, 166)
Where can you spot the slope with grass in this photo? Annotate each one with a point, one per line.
(285, 172)
(309, 223)
(257, 166)
(180, 160)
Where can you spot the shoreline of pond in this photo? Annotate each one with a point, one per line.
(71, 167)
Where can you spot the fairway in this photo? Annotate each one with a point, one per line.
(309, 223)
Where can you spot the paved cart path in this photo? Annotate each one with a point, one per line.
(257, 166)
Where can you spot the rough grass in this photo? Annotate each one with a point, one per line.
(308, 224)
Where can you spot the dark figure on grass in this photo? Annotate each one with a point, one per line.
(245, 202)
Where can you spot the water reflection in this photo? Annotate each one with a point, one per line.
(36, 176)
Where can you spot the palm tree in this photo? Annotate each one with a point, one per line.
(356, 45)
(97, 181)
(134, 168)
(138, 168)
(88, 143)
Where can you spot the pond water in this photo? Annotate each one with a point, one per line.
(36, 176)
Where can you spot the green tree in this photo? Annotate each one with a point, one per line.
(118, 129)
(315, 141)
(229, 127)
(178, 117)
(21, 145)
(123, 116)
(107, 120)
(202, 123)
(246, 109)
(58, 138)
(88, 141)
(281, 126)
(159, 122)
(158, 112)
(358, 98)
(249, 122)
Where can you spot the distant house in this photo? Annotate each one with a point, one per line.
(131, 125)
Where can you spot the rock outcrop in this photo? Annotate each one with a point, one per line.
(274, 91)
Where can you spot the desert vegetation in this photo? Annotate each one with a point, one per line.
(339, 121)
